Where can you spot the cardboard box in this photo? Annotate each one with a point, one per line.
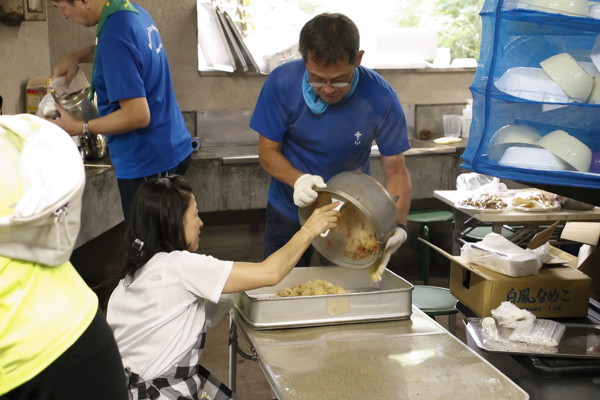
(555, 292)
(588, 233)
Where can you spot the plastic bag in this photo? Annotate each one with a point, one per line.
(490, 330)
(479, 183)
(46, 107)
(535, 199)
(542, 332)
(511, 316)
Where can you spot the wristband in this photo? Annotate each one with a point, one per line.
(311, 235)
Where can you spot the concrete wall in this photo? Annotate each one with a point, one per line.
(177, 26)
(24, 53)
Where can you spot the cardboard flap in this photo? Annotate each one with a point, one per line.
(543, 237)
(570, 259)
(458, 260)
(582, 232)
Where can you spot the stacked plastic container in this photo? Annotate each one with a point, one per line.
(536, 93)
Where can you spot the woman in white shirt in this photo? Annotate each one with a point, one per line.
(157, 310)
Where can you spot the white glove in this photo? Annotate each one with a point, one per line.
(304, 195)
(391, 246)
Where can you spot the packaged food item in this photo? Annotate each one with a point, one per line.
(542, 332)
(535, 199)
(35, 91)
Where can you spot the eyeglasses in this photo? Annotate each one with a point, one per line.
(336, 85)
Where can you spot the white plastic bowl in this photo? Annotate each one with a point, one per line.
(595, 54)
(594, 10)
(595, 95)
(532, 158)
(509, 136)
(569, 75)
(568, 148)
(531, 84)
(566, 7)
(589, 67)
(584, 58)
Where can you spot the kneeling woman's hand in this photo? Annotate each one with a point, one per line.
(322, 219)
(247, 276)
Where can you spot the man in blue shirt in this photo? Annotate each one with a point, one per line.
(318, 117)
(146, 133)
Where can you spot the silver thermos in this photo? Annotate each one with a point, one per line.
(92, 146)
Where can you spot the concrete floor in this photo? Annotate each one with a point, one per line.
(237, 236)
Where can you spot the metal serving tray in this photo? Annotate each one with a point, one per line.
(579, 341)
(389, 299)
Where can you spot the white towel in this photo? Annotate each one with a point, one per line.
(78, 84)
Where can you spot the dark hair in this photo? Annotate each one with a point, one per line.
(156, 219)
(329, 38)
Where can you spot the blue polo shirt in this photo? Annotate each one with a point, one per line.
(338, 140)
(131, 62)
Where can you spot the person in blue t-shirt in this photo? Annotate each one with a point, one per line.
(319, 116)
(146, 134)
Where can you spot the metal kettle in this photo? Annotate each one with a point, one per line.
(92, 146)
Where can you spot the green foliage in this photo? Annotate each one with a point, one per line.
(458, 21)
(461, 24)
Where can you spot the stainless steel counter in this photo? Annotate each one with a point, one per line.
(412, 359)
(242, 154)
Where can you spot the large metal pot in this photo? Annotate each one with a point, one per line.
(92, 146)
(374, 206)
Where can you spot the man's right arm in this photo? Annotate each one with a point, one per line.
(276, 165)
(67, 67)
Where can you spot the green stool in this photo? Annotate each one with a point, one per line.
(435, 301)
(425, 218)
(477, 234)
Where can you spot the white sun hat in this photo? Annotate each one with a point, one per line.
(42, 180)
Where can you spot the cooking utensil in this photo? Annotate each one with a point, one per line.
(337, 208)
(250, 62)
(389, 299)
(240, 62)
(213, 48)
(92, 146)
(367, 203)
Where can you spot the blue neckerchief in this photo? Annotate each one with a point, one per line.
(316, 104)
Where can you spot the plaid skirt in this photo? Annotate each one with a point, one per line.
(186, 380)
